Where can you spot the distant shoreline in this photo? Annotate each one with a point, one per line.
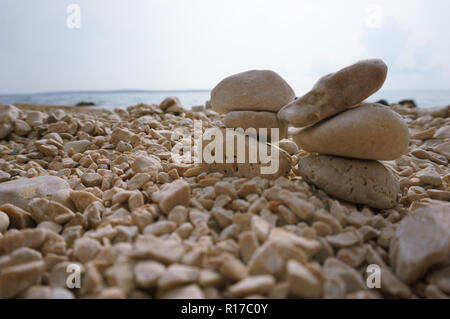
(112, 99)
(105, 92)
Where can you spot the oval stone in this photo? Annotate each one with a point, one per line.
(358, 181)
(256, 120)
(21, 191)
(256, 90)
(336, 92)
(369, 131)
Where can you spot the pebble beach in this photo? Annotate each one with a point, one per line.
(359, 184)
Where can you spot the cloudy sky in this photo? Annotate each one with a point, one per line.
(193, 44)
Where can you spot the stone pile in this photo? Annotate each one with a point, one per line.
(349, 135)
(98, 189)
(251, 100)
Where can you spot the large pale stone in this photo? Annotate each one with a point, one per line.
(256, 120)
(336, 92)
(369, 131)
(256, 90)
(357, 181)
(19, 192)
(421, 241)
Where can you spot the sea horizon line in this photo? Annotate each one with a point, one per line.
(173, 91)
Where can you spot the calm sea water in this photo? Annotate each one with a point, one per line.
(123, 99)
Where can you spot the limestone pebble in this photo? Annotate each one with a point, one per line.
(367, 131)
(357, 181)
(336, 92)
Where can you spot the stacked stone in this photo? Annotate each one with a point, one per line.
(349, 136)
(252, 99)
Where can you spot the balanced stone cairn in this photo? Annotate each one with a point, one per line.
(252, 99)
(349, 136)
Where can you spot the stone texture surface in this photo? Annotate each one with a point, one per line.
(256, 90)
(357, 181)
(256, 120)
(368, 131)
(421, 241)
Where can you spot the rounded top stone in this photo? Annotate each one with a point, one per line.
(255, 90)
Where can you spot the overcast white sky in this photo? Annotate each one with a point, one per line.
(193, 44)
